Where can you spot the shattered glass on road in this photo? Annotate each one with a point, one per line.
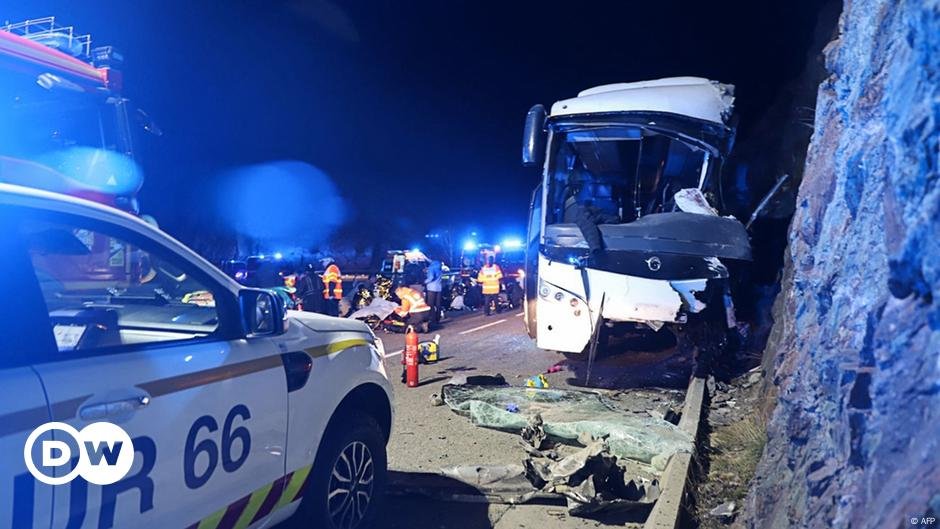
(567, 415)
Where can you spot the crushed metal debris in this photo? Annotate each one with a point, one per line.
(565, 415)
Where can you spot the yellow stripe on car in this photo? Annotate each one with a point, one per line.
(293, 487)
(335, 347)
(213, 520)
(254, 504)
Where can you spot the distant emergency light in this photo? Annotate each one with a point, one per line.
(470, 246)
(512, 243)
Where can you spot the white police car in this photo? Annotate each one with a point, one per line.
(240, 414)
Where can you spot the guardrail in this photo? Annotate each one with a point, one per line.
(668, 510)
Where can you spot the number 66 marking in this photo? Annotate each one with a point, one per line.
(208, 446)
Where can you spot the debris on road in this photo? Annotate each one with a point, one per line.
(724, 511)
(537, 381)
(477, 380)
(436, 400)
(505, 483)
(556, 368)
(591, 480)
(565, 415)
(533, 434)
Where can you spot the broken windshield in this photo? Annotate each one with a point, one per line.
(620, 173)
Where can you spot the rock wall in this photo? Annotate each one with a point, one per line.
(854, 440)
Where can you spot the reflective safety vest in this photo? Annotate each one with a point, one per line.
(489, 277)
(411, 302)
(332, 283)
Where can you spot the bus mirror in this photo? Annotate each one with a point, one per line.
(533, 140)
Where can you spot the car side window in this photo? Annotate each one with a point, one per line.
(104, 291)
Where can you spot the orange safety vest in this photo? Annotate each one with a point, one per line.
(411, 302)
(489, 276)
(332, 278)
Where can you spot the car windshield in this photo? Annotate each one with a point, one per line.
(621, 173)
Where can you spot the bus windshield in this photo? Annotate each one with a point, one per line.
(621, 173)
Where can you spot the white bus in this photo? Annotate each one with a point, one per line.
(627, 228)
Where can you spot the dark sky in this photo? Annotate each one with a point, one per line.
(413, 109)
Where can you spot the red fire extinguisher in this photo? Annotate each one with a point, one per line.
(411, 357)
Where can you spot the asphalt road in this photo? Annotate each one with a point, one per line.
(426, 438)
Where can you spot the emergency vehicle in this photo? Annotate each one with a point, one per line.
(628, 228)
(510, 256)
(241, 413)
(66, 124)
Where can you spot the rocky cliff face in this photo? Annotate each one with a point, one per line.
(854, 440)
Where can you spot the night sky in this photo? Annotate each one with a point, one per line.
(413, 109)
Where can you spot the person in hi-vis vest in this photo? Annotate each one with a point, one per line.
(332, 286)
(489, 277)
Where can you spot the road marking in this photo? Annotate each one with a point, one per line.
(481, 327)
(520, 314)
(396, 353)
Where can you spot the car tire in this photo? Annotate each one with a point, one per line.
(353, 451)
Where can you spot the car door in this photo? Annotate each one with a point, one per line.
(25, 502)
(151, 342)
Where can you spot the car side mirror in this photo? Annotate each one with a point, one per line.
(533, 137)
(264, 313)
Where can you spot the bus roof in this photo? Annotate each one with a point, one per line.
(694, 97)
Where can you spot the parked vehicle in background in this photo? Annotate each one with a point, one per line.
(67, 126)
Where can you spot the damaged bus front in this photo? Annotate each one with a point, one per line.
(626, 229)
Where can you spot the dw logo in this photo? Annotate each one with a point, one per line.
(105, 453)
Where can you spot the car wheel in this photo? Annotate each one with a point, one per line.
(349, 476)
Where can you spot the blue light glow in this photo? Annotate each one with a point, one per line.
(512, 243)
(470, 246)
(262, 202)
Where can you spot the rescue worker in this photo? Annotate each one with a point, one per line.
(309, 287)
(432, 284)
(413, 309)
(489, 277)
(332, 286)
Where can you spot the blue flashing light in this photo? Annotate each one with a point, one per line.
(512, 243)
(469, 246)
(261, 256)
(278, 256)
